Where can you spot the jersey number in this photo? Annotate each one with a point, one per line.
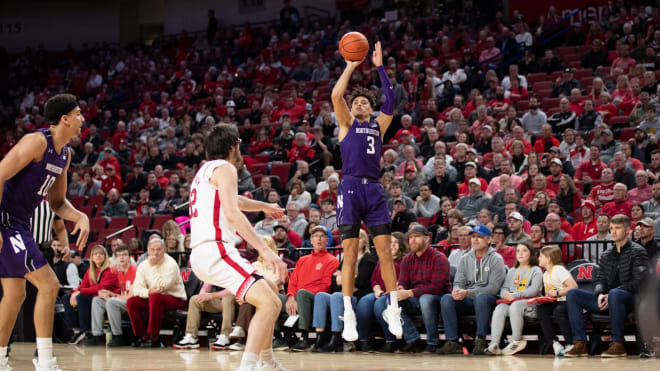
(371, 149)
(193, 199)
(46, 186)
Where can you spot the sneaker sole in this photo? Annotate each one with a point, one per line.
(349, 335)
(191, 346)
(217, 347)
(576, 355)
(614, 355)
(301, 350)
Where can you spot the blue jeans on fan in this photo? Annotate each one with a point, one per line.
(426, 305)
(620, 303)
(81, 315)
(335, 302)
(364, 312)
(482, 306)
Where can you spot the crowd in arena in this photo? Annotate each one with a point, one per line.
(507, 145)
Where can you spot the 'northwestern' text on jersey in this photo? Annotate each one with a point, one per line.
(208, 219)
(25, 190)
(360, 150)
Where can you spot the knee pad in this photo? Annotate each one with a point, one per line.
(349, 231)
(378, 230)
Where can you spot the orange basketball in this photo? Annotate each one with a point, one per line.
(353, 46)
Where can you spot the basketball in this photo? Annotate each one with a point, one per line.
(354, 46)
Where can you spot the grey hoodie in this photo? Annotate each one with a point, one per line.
(533, 286)
(491, 268)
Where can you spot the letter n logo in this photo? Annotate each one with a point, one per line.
(185, 274)
(17, 243)
(585, 272)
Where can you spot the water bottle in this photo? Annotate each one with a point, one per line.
(108, 335)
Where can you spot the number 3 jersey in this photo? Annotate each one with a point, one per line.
(208, 220)
(360, 150)
(25, 190)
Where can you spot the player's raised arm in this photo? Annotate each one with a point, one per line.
(224, 177)
(387, 109)
(63, 208)
(24, 152)
(342, 111)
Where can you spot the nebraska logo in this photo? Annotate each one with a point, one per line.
(585, 272)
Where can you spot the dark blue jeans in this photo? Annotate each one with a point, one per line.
(364, 313)
(426, 305)
(620, 302)
(482, 306)
(81, 315)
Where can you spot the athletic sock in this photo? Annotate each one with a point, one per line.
(3, 352)
(266, 355)
(249, 360)
(393, 300)
(348, 303)
(45, 350)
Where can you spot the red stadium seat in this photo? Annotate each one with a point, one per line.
(583, 72)
(281, 170)
(566, 50)
(568, 58)
(141, 222)
(96, 224)
(95, 200)
(87, 210)
(257, 168)
(522, 106)
(586, 81)
(424, 221)
(626, 133)
(551, 111)
(262, 157)
(256, 179)
(555, 75)
(603, 70)
(542, 94)
(618, 120)
(542, 85)
(103, 234)
(77, 202)
(118, 222)
(549, 103)
(159, 221)
(533, 78)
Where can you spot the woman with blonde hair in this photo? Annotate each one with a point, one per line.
(78, 304)
(172, 236)
(623, 90)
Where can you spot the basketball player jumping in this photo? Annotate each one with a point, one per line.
(360, 195)
(215, 210)
(36, 166)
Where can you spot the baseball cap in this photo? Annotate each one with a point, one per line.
(280, 226)
(411, 168)
(308, 107)
(554, 149)
(488, 127)
(608, 132)
(418, 229)
(516, 215)
(647, 222)
(320, 228)
(230, 103)
(470, 163)
(475, 181)
(472, 150)
(482, 230)
(556, 161)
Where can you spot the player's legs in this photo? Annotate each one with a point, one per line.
(47, 285)
(350, 242)
(13, 290)
(260, 332)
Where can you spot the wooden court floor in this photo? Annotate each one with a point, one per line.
(101, 358)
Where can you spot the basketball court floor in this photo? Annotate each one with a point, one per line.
(101, 358)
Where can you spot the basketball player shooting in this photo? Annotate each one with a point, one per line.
(216, 216)
(360, 195)
(36, 166)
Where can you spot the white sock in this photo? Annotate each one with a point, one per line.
(249, 360)
(266, 355)
(3, 352)
(348, 304)
(45, 350)
(393, 300)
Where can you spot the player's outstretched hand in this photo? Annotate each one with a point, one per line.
(353, 64)
(83, 227)
(274, 210)
(279, 267)
(377, 58)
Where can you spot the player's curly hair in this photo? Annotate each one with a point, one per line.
(359, 91)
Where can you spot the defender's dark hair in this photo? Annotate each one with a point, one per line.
(220, 140)
(59, 105)
(359, 91)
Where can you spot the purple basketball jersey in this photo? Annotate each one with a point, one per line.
(25, 190)
(360, 150)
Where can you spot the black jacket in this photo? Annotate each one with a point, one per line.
(624, 270)
(402, 221)
(444, 188)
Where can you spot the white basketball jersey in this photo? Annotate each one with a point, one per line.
(208, 220)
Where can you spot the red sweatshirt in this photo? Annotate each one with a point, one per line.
(107, 279)
(313, 273)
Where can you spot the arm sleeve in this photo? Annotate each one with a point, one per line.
(388, 106)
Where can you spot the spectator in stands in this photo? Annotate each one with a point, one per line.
(652, 205)
(158, 287)
(565, 83)
(564, 119)
(297, 219)
(602, 234)
(138, 181)
(540, 185)
(333, 183)
(113, 303)
(546, 141)
(555, 233)
(261, 193)
(402, 217)
(312, 274)
(62, 263)
(490, 56)
(78, 304)
(515, 222)
(620, 203)
(156, 192)
(298, 195)
(476, 200)
(507, 252)
(440, 184)
(513, 75)
(538, 207)
(589, 119)
(324, 302)
(623, 64)
(622, 173)
(91, 186)
(647, 239)
(470, 173)
(651, 123)
(266, 226)
(426, 204)
(595, 57)
(411, 181)
(116, 205)
(608, 146)
(479, 278)
(524, 282)
(423, 279)
(86, 158)
(621, 271)
(643, 191)
(533, 120)
(283, 245)
(557, 281)
(302, 173)
(587, 226)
